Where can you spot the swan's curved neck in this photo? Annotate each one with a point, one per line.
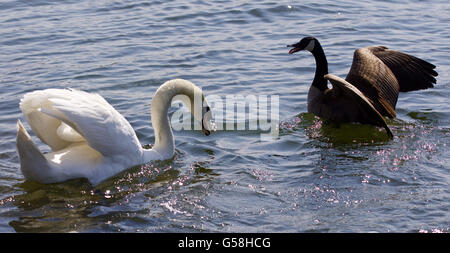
(164, 141)
(321, 67)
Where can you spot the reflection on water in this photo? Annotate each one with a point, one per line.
(49, 207)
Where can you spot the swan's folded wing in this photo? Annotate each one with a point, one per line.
(44, 126)
(105, 129)
(348, 90)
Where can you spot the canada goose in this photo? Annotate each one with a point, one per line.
(370, 90)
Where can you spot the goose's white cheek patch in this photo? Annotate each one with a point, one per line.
(310, 46)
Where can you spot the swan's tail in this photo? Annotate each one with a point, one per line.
(33, 164)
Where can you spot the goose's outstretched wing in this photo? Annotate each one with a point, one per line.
(89, 115)
(411, 72)
(367, 111)
(380, 74)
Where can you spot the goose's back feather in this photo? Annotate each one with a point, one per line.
(356, 106)
(375, 80)
(411, 72)
(381, 73)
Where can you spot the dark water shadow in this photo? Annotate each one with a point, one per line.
(76, 205)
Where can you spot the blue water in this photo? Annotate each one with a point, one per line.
(312, 178)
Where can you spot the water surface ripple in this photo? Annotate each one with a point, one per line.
(313, 178)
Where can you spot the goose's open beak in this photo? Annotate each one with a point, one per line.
(296, 48)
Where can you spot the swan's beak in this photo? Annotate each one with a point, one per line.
(205, 131)
(206, 122)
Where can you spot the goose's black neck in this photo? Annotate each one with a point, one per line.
(321, 67)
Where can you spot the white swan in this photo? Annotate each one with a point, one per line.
(90, 139)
